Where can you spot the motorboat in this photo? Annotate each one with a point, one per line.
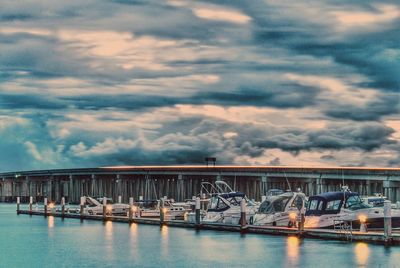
(331, 209)
(273, 192)
(281, 210)
(172, 210)
(93, 207)
(223, 205)
(376, 200)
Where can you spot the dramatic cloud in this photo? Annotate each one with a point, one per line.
(93, 83)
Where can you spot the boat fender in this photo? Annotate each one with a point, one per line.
(251, 220)
(290, 224)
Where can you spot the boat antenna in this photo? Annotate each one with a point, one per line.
(287, 181)
(344, 188)
(155, 192)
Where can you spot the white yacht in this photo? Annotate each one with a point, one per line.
(94, 207)
(334, 208)
(172, 210)
(281, 210)
(224, 204)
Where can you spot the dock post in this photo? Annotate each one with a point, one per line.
(131, 208)
(104, 208)
(197, 208)
(83, 200)
(242, 213)
(119, 199)
(45, 206)
(302, 221)
(18, 203)
(387, 214)
(62, 207)
(162, 211)
(30, 204)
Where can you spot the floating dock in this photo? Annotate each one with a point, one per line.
(351, 236)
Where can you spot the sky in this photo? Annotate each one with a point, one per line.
(88, 83)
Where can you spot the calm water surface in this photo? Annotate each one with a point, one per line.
(34, 241)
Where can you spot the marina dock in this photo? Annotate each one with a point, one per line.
(377, 237)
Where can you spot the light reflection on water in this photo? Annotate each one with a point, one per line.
(108, 237)
(50, 222)
(164, 241)
(361, 252)
(292, 245)
(133, 240)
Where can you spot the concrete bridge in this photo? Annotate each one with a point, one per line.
(182, 182)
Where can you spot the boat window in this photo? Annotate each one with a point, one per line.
(355, 203)
(280, 204)
(333, 205)
(221, 204)
(320, 205)
(265, 207)
(313, 204)
(214, 202)
(297, 202)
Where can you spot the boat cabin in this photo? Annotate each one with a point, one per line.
(332, 202)
(222, 202)
(279, 203)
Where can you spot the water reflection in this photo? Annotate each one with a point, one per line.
(133, 239)
(361, 251)
(109, 239)
(50, 221)
(164, 241)
(292, 250)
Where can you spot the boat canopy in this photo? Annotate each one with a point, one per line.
(331, 202)
(222, 202)
(233, 194)
(329, 196)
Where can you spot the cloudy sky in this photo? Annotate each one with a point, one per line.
(86, 83)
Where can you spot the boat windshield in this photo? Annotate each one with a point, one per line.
(355, 203)
(217, 204)
(274, 204)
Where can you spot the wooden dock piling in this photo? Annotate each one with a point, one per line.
(197, 211)
(243, 221)
(45, 206)
(387, 214)
(30, 204)
(18, 204)
(162, 211)
(131, 208)
(104, 208)
(62, 206)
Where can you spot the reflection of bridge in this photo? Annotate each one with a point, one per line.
(181, 182)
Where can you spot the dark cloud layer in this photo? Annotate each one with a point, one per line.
(89, 83)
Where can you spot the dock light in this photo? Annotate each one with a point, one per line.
(51, 205)
(109, 208)
(292, 216)
(362, 218)
(164, 210)
(134, 209)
